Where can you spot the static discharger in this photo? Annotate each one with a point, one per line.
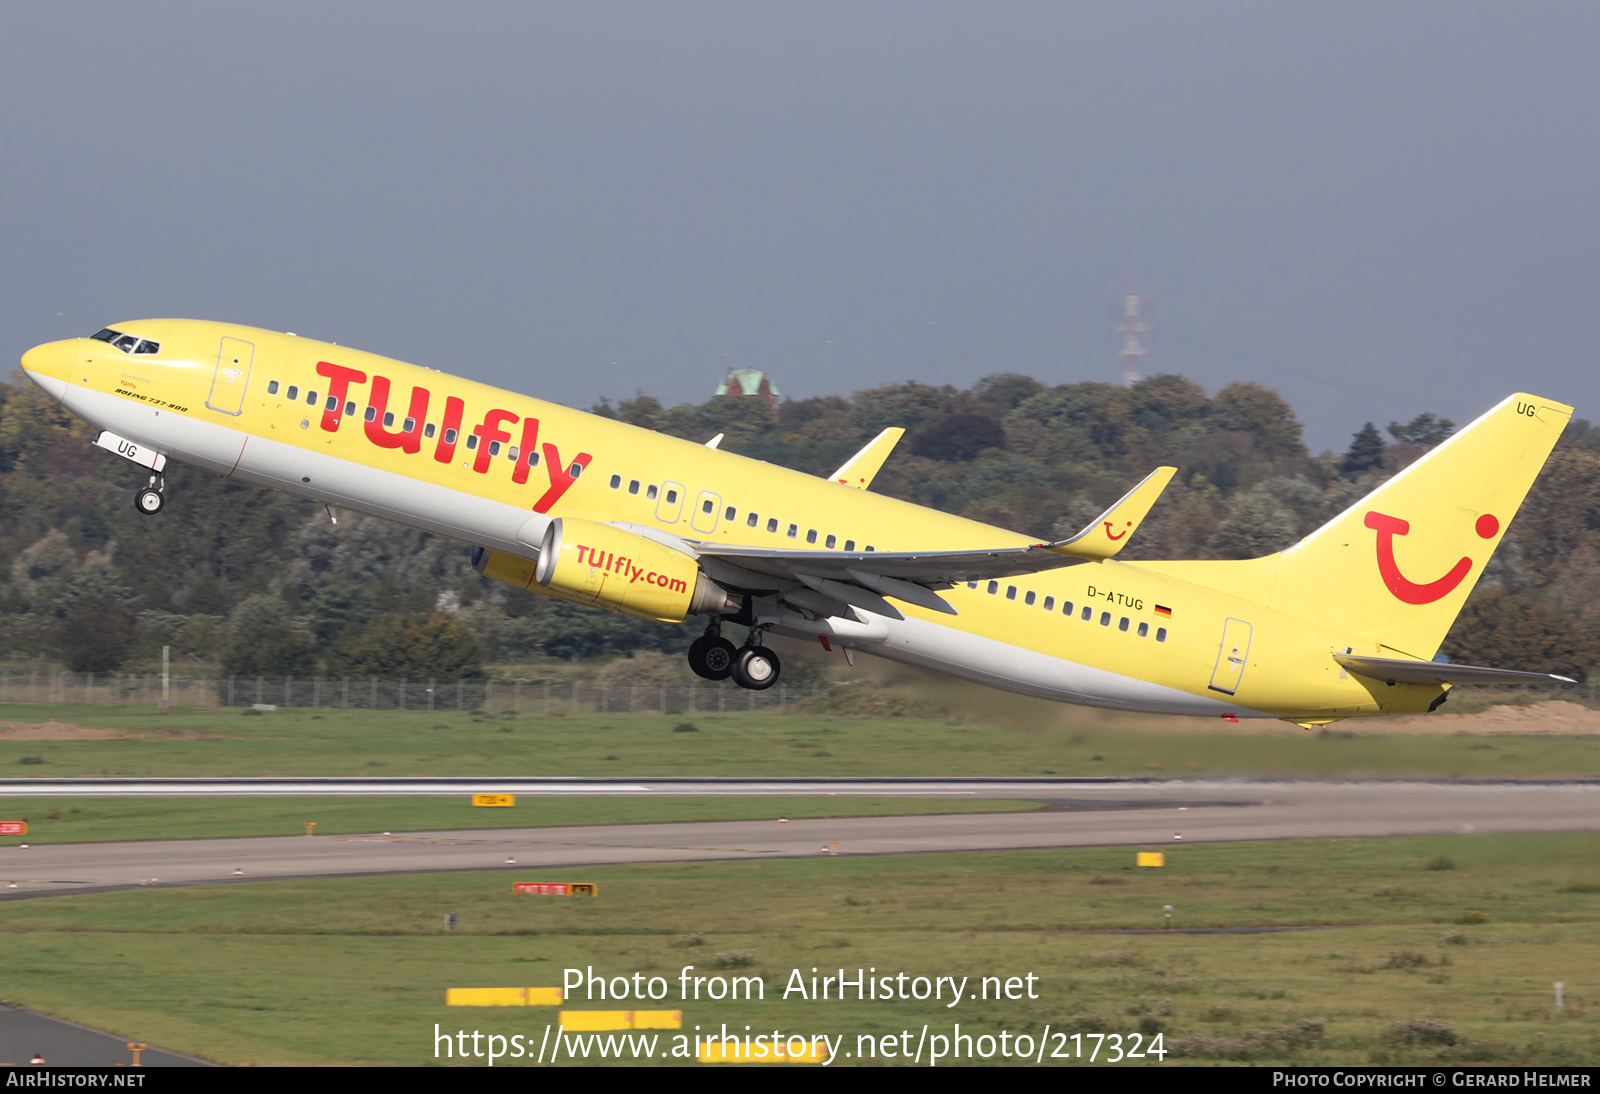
(502, 997)
(1150, 858)
(556, 888)
(500, 801)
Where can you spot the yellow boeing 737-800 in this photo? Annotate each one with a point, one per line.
(1346, 622)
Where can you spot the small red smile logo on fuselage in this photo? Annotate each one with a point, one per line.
(1397, 583)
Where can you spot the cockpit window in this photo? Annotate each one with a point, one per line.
(127, 343)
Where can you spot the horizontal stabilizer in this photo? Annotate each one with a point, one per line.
(1393, 670)
(859, 470)
(1112, 529)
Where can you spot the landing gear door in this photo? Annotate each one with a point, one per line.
(232, 376)
(1232, 657)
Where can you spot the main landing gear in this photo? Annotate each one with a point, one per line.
(713, 657)
(152, 496)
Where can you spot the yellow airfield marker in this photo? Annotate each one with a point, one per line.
(1150, 858)
(494, 800)
(502, 997)
(594, 1021)
(750, 1052)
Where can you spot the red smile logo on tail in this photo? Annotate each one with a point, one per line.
(1119, 535)
(1412, 592)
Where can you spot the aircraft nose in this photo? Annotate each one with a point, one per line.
(50, 365)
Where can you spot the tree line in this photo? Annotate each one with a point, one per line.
(256, 582)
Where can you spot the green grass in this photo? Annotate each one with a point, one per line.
(300, 742)
(353, 971)
(72, 820)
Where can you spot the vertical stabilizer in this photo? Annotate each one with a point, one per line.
(1397, 566)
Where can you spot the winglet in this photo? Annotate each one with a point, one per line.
(859, 470)
(1111, 529)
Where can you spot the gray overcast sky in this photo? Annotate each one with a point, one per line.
(1378, 208)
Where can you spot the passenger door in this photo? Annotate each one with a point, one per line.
(232, 376)
(1231, 658)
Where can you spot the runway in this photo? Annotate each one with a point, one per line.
(1080, 813)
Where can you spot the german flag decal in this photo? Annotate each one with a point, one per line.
(1162, 609)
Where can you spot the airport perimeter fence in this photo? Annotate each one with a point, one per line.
(373, 693)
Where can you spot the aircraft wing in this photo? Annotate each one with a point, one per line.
(825, 582)
(1393, 670)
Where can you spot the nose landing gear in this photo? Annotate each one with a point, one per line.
(152, 496)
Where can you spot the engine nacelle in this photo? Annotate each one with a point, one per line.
(593, 563)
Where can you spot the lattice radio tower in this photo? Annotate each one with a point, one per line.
(1130, 328)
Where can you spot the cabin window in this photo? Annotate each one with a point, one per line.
(650, 492)
(575, 470)
(427, 431)
(1105, 619)
(1161, 634)
(533, 458)
(311, 398)
(1066, 607)
(707, 505)
(372, 414)
(849, 545)
(512, 453)
(388, 419)
(293, 393)
(831, 541)
(994, 587)
(1029, 598)
(494, 448)
(1144, 629)
(772, 524)
(972, 584)
(616, 482)
(633, 484)
(1122, 624)
(449, 436)
(472, 441)
(1088, 613)
(408, 426)
(1011, 592)
(752, 520)
(811, 535)
(794, 530)
(870, 547)
(333, 404)
(272, 387)
(1049, 603)
(730, 513)
(672, 497)
(350, 408)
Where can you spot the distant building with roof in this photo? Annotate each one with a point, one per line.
(750, 382)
